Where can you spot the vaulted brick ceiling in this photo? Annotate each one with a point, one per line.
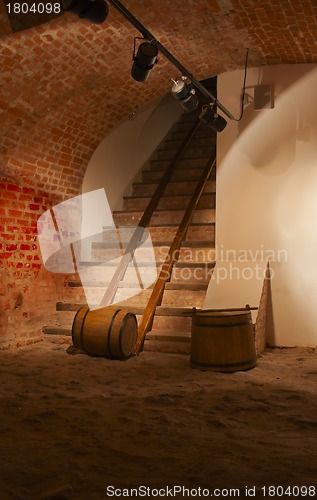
(66, 84)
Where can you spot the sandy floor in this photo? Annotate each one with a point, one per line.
(72, 425)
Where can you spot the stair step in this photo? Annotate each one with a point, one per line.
(196, 142)
(184, 125)
(175, 323)
(167, 347)
(102, 252)
(183, 165)
(112, 265)
(171, 298)
(156, 175)
(130, 218)
(165, 319)
(189, 117)
(207, 200)
(180, 133)
(112, 241)
(177, 319)
(144, 273)
(168, 341)
(169, 335)
(173, 188)
(195, 232)
(169, 286)
(191, 152)
(160, 310)
(200, 275)
(51, 330)
(166, 232)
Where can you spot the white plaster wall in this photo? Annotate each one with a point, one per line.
(267, 199)
(120, 156)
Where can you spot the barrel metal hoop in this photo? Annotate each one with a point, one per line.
(82, 330)
(121, 330)
(224, 365)
(109, 331)
(74, 321)
(223, 325)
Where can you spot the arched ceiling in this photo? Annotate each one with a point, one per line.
(66, 84)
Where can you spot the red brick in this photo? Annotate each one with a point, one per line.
(15, 213)
(13, 187)
(8, 195)
(8, 237)
(27, 190)
(25, 247)
(33, 206)
(5, 255)
(11, 248)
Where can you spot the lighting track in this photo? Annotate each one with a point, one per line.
(151, 38)
(144, 60)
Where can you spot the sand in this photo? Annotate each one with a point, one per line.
(74, 425)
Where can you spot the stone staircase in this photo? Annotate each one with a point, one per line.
(191, 273)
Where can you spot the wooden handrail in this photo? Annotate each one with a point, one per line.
(145, 219)
(158, 290)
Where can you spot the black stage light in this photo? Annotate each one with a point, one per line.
(211, 117)
(95, 11)
(185, 95)
(144, 61)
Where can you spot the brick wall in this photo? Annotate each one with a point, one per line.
(66, 84)
(28, 292)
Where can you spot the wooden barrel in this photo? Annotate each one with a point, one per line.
(106, 331)
(222, 341)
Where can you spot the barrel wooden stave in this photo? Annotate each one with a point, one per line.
(77, 327)
(105, 331)
(223, 341)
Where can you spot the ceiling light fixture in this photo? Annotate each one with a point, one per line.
(210, 116)
(144, 61)
(95, 11)
(185, 94)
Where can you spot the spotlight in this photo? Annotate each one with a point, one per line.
(211, 117)
(95, 11)
(144, 61)
(185, 95)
